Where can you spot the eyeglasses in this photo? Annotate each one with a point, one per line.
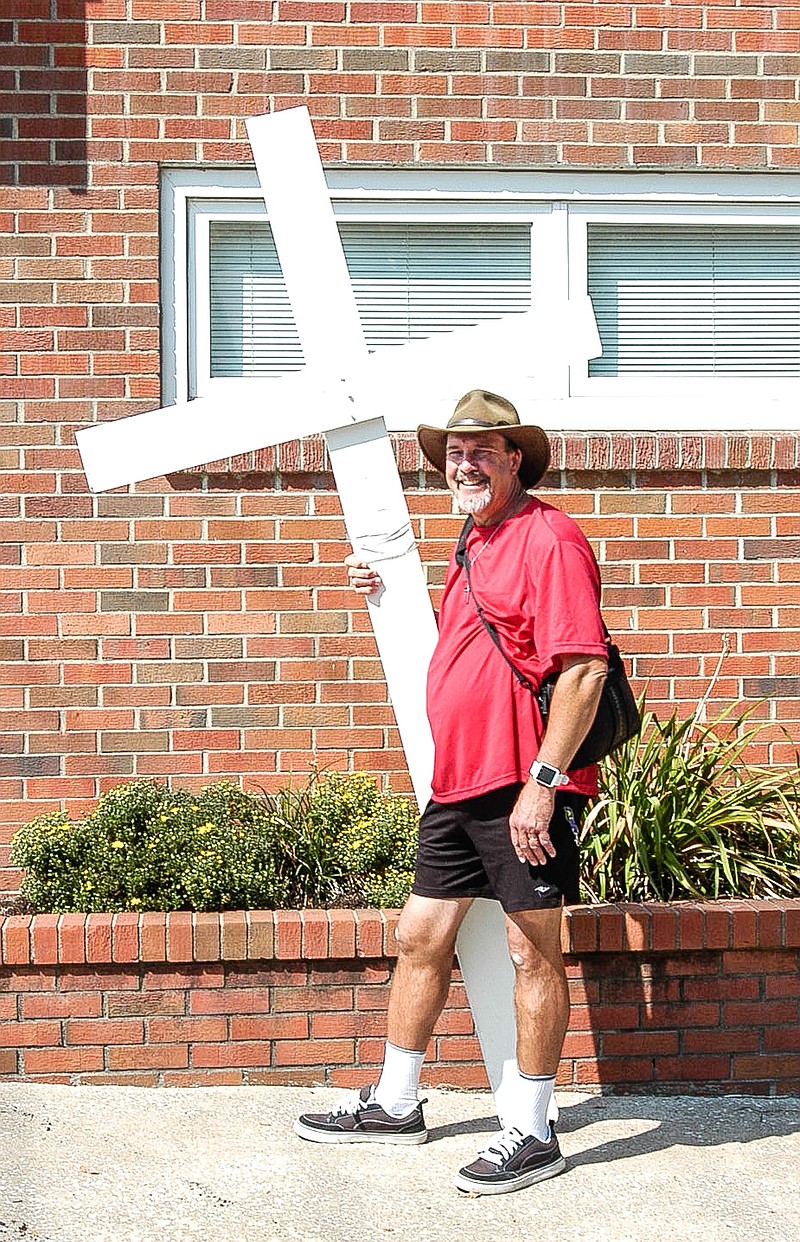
(478, 455)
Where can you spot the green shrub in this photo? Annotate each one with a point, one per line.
(681, 815)
(337, 840)
(344, 842)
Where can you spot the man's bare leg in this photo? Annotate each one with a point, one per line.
(541, 1002)
(541, 993)
(526, 1151)
(426, 935)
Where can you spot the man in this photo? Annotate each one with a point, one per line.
(504, 814)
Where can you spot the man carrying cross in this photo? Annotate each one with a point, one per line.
(505, 811)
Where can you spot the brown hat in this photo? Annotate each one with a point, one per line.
(485, 411)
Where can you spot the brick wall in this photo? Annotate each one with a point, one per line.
(199, 628)
(209, 633)
(682, 997)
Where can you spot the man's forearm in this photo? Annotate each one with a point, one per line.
(572, 710)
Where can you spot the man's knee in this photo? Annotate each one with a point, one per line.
(427, 928)
(534, 941)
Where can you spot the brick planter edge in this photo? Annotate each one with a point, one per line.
(680, 997)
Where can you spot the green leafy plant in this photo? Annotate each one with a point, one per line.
(336, 840)
(344, 842)
(681, 815)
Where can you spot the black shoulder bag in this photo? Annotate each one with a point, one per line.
(617, 717)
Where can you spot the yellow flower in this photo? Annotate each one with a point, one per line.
(204, 828)
(118, 845)
(135, 901)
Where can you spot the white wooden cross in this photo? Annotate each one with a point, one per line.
(342, 392)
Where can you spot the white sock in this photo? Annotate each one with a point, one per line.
(528, 1110)
(397, 1089)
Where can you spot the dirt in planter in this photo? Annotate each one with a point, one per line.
(14, 904)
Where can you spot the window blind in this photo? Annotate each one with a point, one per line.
(702, 299)
(411, 281)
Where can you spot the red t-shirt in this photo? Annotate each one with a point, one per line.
(538, 583)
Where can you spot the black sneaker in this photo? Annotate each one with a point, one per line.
(510, 1162)
(358, 1119)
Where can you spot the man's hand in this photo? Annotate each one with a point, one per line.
(530, 823)
(361, 577)
(572, 711)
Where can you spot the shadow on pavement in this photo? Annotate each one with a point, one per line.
(702, 1122)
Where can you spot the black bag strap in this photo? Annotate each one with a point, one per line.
(462, 560)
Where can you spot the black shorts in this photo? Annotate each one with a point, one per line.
(465, 850)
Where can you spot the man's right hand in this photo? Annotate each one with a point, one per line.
(361, 577)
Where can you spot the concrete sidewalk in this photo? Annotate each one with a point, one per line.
(107, 1164)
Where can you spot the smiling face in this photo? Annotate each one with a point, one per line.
(481, 472)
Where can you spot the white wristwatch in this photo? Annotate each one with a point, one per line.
(547, 774)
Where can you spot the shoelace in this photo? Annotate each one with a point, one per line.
(350, 1104)
(502, 1146)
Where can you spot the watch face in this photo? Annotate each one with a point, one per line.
(547, 774)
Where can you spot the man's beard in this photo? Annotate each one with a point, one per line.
(474, 502)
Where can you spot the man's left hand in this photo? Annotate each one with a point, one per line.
(530, 824)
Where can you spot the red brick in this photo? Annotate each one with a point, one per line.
(62, 1005)
(233, 935)
(313, 1052)
(579, 933)
(342, 933)
(145, 1004)
(622, 1070)
(179, 936)
(29, 1034)
(230, 1000)
(744, 1013)
(640, 1043)
(125, 937)
(72, 938)
(155, 1056)
(206, 937)
(315, 934)
(769, 1067)
(176, 1030)
(369, 933)
(288, 934)
(342, 1025)
(286, 1026)
(757, 962)
(16, 944)
(98, 938)
(695, 1013)
(104, 1031)
(205, 1078)
(152, 937)
(311, 1000)
(93, 979)
(228, 1054)
(62, 1060)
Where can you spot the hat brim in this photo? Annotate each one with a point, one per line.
(531, 441)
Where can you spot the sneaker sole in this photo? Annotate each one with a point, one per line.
(357, 1136)
(519, 1183)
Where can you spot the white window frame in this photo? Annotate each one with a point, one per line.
(558, 207)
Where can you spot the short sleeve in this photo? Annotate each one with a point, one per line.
(567, 618)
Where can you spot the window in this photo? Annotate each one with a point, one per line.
(707, 300)
(693, 280)
(411, 281)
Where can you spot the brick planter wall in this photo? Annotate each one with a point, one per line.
(681, 997)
